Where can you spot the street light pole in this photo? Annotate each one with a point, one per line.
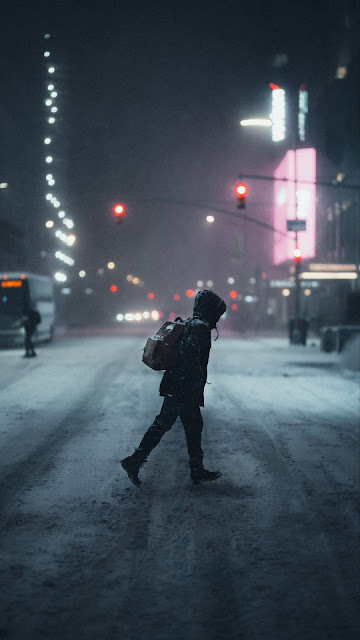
(293, 125)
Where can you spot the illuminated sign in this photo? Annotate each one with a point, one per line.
(332, 267)
(278, 115)
(289, 205)
(280, 284)
(328, 275)
(11, 283)
(303, 109)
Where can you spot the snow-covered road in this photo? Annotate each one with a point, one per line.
(269, 551)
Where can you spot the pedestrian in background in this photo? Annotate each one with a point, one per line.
(31, 319)
(182, 387)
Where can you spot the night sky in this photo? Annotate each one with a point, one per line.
(150, 98)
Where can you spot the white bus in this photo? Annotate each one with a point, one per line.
(19, 292)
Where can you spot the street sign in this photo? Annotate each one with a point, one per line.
(296, 225)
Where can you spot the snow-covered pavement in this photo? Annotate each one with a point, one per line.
(269, 551)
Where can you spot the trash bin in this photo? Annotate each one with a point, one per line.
(298, 328)
(328, 339)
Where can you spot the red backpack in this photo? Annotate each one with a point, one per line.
(161, 351)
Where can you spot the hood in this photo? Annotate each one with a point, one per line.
(209, 307)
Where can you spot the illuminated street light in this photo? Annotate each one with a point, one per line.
(49, 196)
(129, 277)
(209, 283)
(51, 69)
(46, 54)
(199, 283)
(3, 185)
(231, 280)
(82, 273)
(51, 87)
(62, 256)
(53, 109)
(48, 102)
(256, 122)
(61, 214)
(51, 183)
(48, 159)
(70, 240)
(48, 176)
(60, 277)
(53, 94)
(111, 265)
(49, 224)
(47, 140)
(51, 120)
(210, 219)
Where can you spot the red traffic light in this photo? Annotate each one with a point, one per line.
(113, 288)
(241, 189)
(233, 294)
(241, 193)
(118, 210)
(297, 255)
(151, 296)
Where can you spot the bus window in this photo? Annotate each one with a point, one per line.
(12, 299)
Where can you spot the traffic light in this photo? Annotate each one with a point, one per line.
(297, 255)
(118, 211)
(241, 193)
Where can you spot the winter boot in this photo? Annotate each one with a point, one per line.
(132, 465)
(199, 474)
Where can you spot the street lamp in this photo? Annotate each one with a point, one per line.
(256, 122)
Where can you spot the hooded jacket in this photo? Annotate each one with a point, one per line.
(186, 380)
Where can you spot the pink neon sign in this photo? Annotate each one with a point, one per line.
(303, 164)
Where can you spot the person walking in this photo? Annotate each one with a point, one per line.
(32, 318)
(182, 387)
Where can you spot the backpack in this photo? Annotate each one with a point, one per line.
(161, 351)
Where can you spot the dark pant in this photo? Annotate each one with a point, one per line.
(190, 415)
(29, 346)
